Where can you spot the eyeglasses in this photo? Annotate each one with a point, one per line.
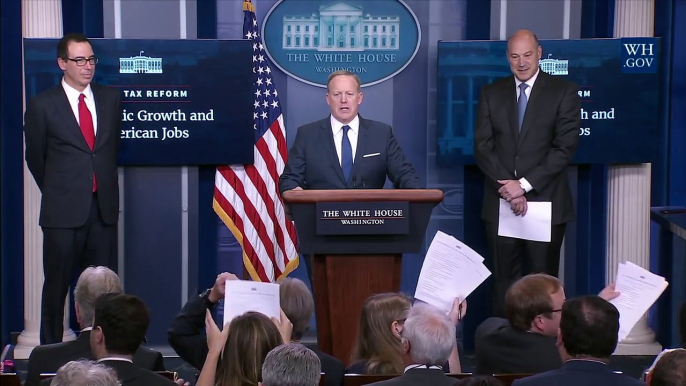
(82, 61)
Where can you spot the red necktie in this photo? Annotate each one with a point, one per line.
(86, 123)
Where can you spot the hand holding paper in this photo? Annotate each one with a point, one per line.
(638, 290)
(451, 270)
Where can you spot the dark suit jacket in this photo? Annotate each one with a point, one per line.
(62, 163)
(48, 358)
(579, 372)
(503, 349)
(540, 153)
(313, 162)
(130, 375)
(420, 377)
(188, 339)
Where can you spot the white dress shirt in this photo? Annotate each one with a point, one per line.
(337, 128)
(115, 359)
(73, 97)
(522, 181)
(417, 366)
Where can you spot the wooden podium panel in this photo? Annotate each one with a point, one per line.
(342, 283)
(347, 269)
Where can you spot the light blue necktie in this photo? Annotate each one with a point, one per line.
(521, 104)
(346, 154)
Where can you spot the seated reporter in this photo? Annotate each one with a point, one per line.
(236, 353)
(669, 369)
(187, 333)
(119, 328)
(428, 341)
(85, 373)
(93, 282)
(378, 347)
(291, 364)
(298, 305)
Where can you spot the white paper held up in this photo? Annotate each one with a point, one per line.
(242, 296)
(638, 290)
(451, 270)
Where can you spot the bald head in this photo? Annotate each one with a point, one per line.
(523, 53)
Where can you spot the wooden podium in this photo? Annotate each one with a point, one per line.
(347, 269)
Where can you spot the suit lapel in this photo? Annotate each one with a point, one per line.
(535, 98)
(511, 104)
(330, 149)
(103, 133)
(361, 150)
(66, 114)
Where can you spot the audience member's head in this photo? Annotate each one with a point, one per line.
(378, 336)
(479, 380)
(533, 303)
(251, 337)
(119, 326)
(670, 369)
(428, 336)
(93, 282)
(588, 329)
(85, 373)
(298, 305)
(291, 364)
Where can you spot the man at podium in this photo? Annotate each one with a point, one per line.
(344, 150)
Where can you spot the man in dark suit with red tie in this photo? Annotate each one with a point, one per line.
(526, 134)
(72, 141)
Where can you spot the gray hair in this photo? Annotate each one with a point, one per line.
(291, 364)
(93, 282)
(431, 335)
(85, 373)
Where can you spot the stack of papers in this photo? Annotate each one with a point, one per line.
(243, 296)
(451, 270)
(638, 290)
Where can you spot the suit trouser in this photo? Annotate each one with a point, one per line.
(64, 250)
(509, 255)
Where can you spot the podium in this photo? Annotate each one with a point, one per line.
(360, 255)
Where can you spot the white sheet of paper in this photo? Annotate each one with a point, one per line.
(638, 290)
(242, 296)
(451, 270)
(535, 225)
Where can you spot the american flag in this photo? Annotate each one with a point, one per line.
(246, 197)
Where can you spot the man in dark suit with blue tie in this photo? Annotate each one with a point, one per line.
(589, 326)
(72, 141)
(525, 136)
(344, 150)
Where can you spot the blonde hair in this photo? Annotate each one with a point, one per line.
(376, 344)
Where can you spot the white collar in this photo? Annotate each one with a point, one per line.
(87, 329)
(529, 82)
(73, 94)
(115, 359)
(586, 360)
(417, 366)
(337, 125)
